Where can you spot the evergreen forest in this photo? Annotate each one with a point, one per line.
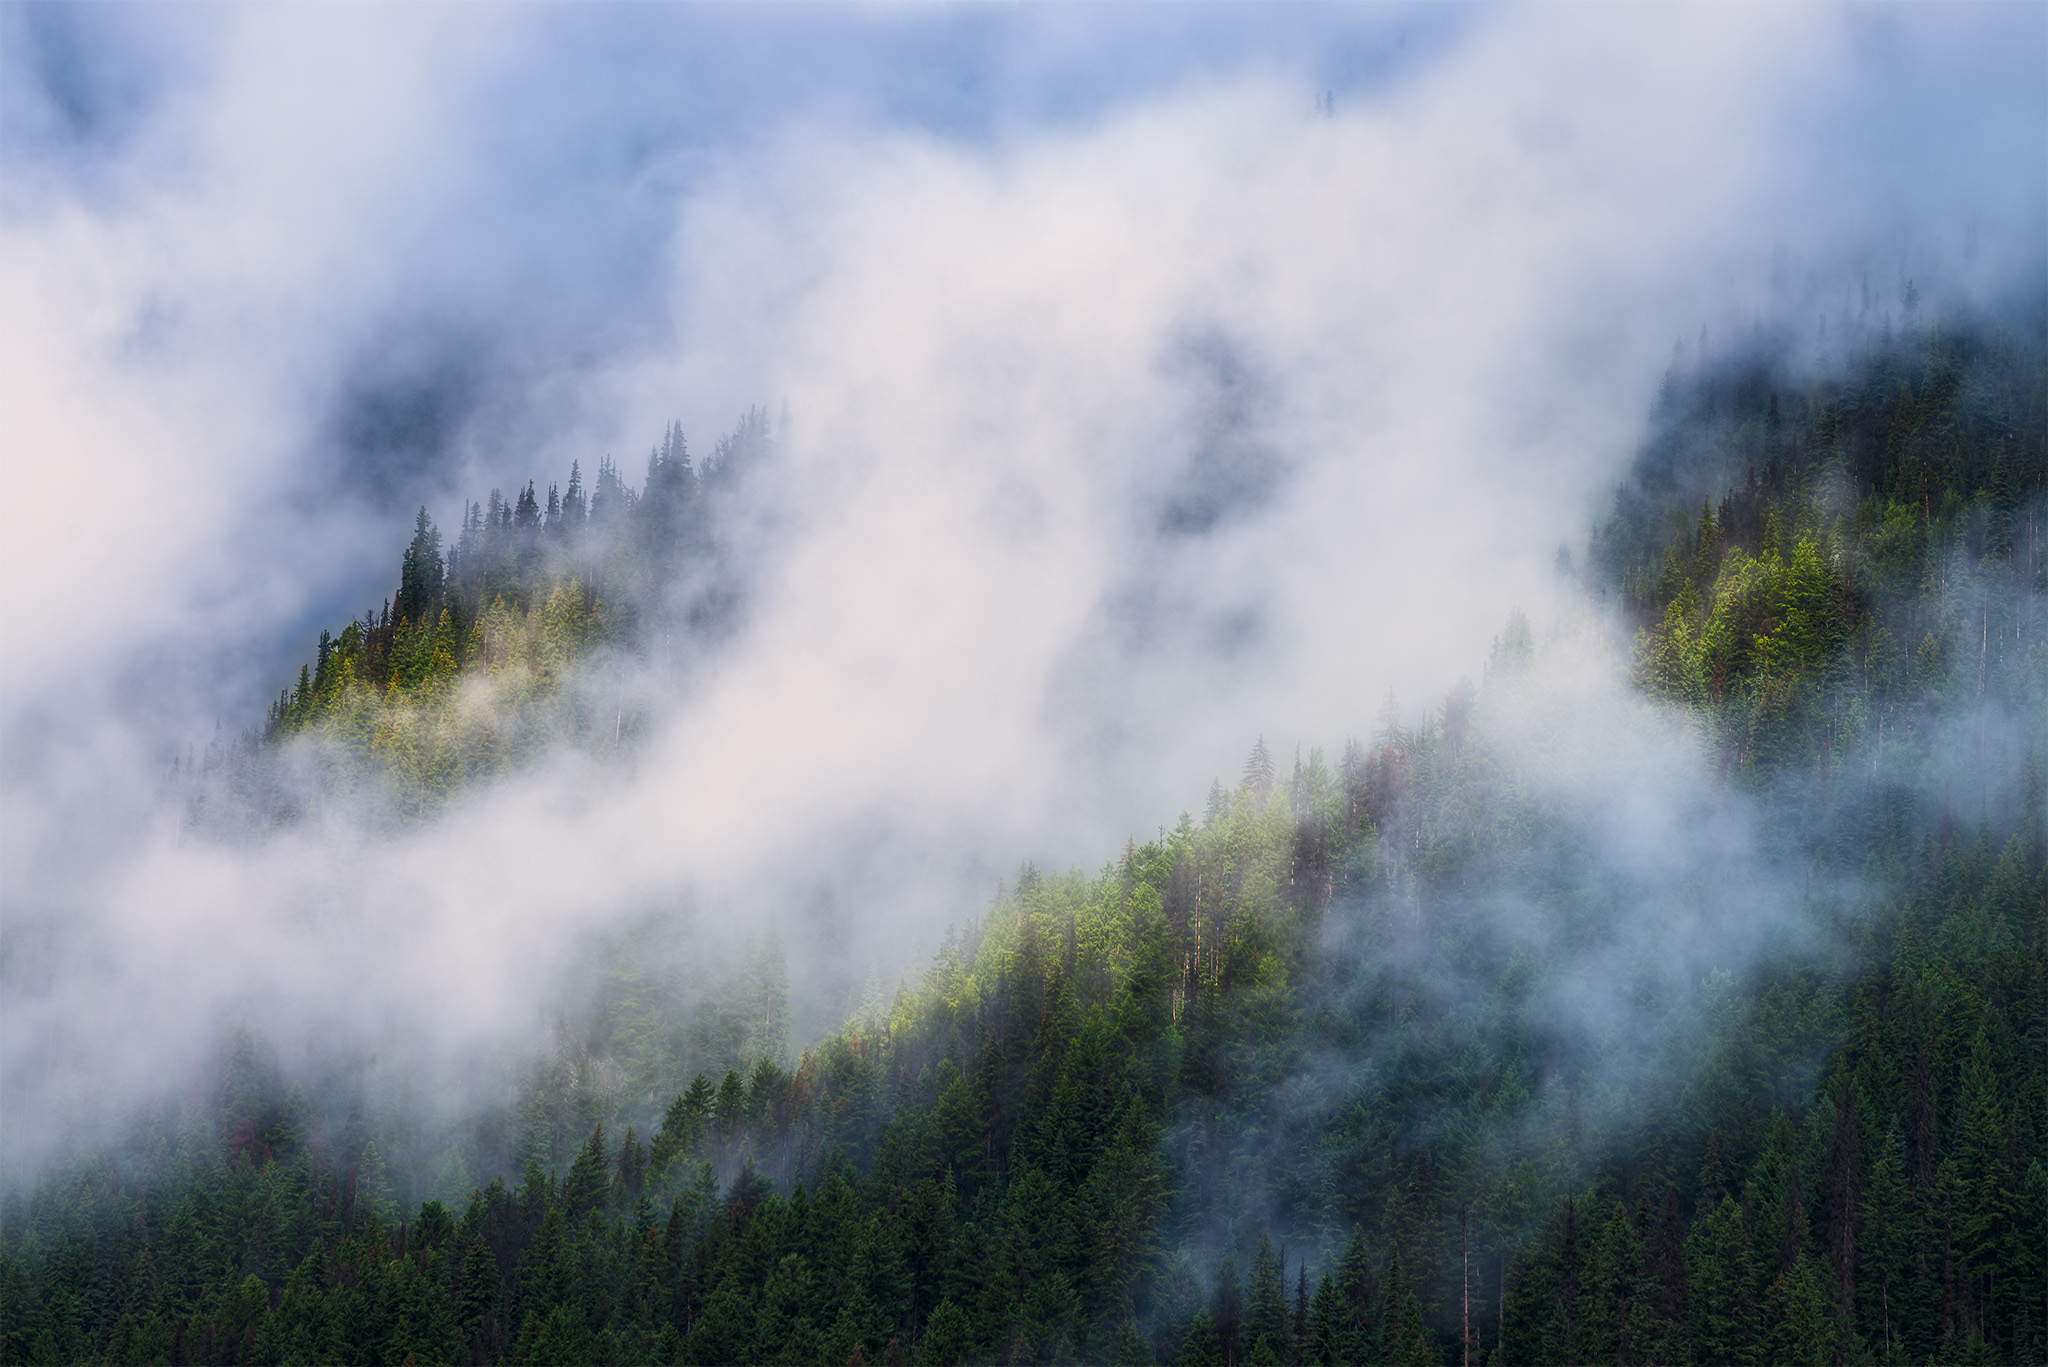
(1396, 1052)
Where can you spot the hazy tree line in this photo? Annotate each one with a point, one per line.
(508, 635)
(1291, 1082)
(1875, 551)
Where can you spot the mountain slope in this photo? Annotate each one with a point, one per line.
(1698, 1018)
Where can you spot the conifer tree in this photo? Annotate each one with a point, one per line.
(585, 1188)
(1357, 1287)
(420, 573)
(373, 1188)
(1723, 1278)
(1265, 1315)
(1671, 1339)
(1328, 1328)
(1226, 1310)
(1260, 773)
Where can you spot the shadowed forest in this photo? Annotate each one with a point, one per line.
(1674, 991)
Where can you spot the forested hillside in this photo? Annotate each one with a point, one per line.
(1414, 1051)
(508, 636)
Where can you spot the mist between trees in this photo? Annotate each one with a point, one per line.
(1674, 992)
(504, 638)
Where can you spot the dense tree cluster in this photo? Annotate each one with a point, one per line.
(487, 653)
(1875, 555)
(1301, 1081)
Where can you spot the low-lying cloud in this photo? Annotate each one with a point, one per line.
(1116, 438)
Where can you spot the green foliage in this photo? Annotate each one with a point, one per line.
(1900, 511)
(1288, 1034)
(518, 639)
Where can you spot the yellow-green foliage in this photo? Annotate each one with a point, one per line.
(1747, 638)
(1761, 618)
(1232, 887)
(444, 702)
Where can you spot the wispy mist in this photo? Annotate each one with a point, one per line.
(1131, 414)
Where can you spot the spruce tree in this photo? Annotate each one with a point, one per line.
(1357, 1290)
(585, 1189)
(1265, 1314)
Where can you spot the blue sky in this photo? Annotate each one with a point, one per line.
(676, 75)
(609, 112)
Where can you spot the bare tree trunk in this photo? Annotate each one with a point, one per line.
(1465, 1255)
